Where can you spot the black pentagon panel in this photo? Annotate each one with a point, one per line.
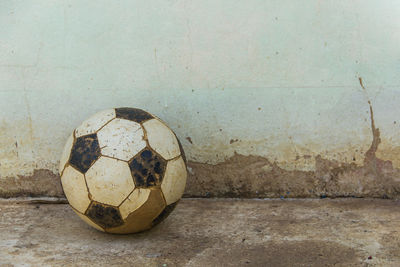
(165, 213)
(181, 149)
(84, 152)
(147, 168)
(104, 215)
(133, 114)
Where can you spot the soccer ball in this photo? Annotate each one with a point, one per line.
(123, 170)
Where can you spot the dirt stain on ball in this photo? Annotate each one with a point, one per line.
(104, 215)
(133, 114)
(147, 168)
(85, 152)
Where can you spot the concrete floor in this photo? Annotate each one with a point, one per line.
(211, 232)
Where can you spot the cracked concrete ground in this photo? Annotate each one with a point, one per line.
(211, 232)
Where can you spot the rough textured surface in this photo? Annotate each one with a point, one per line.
(275, 79)
(203, 232)
(41, 183)
(85, 151)
(254, 176)
(104, 215)
(257, 176)
(147, 168)
(121, 139)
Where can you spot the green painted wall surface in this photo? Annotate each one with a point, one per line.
(277, 79)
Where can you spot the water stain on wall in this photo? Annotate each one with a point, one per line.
(256, 176)
(41, 183)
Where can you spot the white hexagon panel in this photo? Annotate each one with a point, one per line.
(74, 186)
(95, 122)
(121, 139)
(162, 139)
(109, 181)
(174, 180)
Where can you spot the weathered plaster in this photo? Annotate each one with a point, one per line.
(276, 83)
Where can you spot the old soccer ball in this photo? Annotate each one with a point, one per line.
(123, 170)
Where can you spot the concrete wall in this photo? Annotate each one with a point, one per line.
(267, 97)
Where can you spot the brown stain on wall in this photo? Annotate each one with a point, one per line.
(233, 141)
(41, 183)
(253, 177)
(258, 177)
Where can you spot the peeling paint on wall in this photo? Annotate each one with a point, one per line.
(256, 176)
(268, 99)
